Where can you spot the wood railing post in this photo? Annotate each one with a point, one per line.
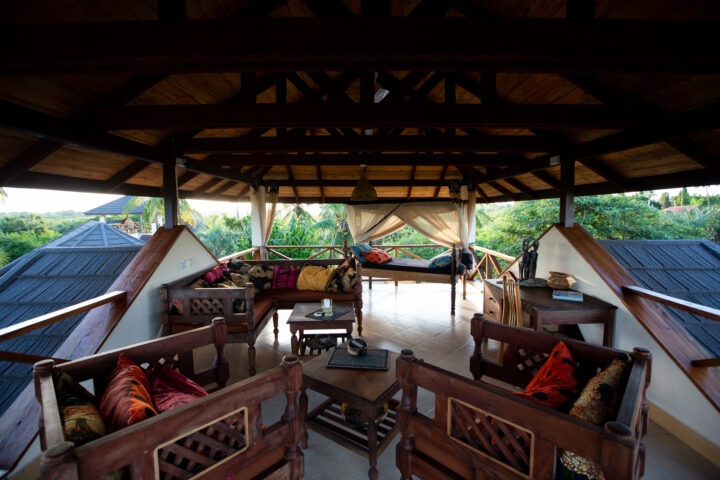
(408, 406)
(476, 359)
(293, 382)
(250, 315)
(222, 368)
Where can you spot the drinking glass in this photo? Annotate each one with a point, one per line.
(327, 306)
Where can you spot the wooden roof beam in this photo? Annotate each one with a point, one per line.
(402, 143)
(372, 159)
(291, 44)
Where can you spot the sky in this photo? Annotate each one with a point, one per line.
(46, 201)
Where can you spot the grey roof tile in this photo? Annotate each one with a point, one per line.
(686, 269)
(116, 207)
(79, 265)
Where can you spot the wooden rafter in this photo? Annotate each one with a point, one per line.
(376, 159)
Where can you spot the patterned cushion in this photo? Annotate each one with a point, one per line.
(285, 277)
(126, 400)
(597, 399)
(260, 275)
(343, 279)
(441, 262)
(171, 389)
(216, 274)
(376, 256)
(556, 382)
(358, 250)
(80, 416)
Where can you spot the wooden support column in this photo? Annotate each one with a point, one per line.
(567, 192)
(170, 191)
(580, 9)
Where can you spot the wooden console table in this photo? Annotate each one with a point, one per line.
(540, 309)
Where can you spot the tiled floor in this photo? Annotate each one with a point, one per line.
(417, 316)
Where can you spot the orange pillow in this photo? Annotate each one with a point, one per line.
(126, 400)
(556, 382)
(376, 256)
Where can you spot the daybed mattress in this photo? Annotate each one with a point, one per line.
(407, 265)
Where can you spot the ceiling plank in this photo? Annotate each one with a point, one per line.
(291, 44)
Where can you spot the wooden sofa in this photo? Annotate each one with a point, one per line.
(197, 307)
(482, 431)
(216, 436)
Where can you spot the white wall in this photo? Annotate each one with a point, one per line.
(142, 320)
(670, 389)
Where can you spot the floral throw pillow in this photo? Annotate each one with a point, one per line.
(259, 275)
(556, 382)
(80, 416)
(595, 402)
(127, 399)
(376, 256)
(171, 389)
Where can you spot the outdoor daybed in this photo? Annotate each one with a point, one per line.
(419, 270)
(215, 436)
(246, 312)
(483, 431)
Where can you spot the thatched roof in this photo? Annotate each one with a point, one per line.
(302, 92)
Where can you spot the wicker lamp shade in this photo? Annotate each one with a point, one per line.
(364, 191)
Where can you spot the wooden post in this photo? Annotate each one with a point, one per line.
(170, 191)
(567, 192)
(222, 369)
(580, 9)
(293, 454)
(406, 408)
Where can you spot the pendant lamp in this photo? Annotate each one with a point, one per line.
(364, 191)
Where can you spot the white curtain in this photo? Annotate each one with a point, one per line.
(369, 222)
(446, 223)
(261, 218)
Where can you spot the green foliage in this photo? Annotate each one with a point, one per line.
(224, 235)
(683, 198)
(17, 244)
(155, 207)
(23, 223)
(616, 217)
(665, 200)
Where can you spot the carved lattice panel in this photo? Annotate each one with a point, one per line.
(492, 437)
(530, 360)
(203, 448)
(206, 306)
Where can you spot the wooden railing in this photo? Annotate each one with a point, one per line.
(487, 262)
(48, 319)
(690, 307)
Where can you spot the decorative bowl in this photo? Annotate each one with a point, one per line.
(356, 418)
(357, 347)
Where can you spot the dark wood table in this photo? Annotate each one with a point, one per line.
(299, 322)
(541, 309)
(366, 390)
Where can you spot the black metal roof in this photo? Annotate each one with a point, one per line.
(117, 207)
(77, 266)
(686, 269)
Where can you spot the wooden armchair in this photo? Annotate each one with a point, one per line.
(216, 436)
(481, 431)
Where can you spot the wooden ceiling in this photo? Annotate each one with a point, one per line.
(96, 95)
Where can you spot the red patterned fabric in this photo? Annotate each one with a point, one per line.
(556, 382)
(217, 273)
(285, 277)
(376, 256)
(126, 400)
(171, 389)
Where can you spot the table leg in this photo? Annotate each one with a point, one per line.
(349, 330)
(303, 413)
(372, 450)
(294, 342)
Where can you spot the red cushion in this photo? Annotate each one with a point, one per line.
(126, 400)
(171, 389)
(376, 256)
(216, 273)
(556, 381)
(285, 277)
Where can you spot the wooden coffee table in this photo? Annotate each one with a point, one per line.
(366, 390)
(299, 322)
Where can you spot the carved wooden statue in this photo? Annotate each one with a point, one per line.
(528, 262)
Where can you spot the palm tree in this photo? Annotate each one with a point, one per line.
(154, 208)
(333, 219)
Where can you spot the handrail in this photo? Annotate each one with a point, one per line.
(696, 308)
(493, 253)
(53, 317)
(684, 305)
(238, 254)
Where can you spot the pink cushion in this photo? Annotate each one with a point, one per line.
(171, 389)
(216, 273)
(285, 277)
